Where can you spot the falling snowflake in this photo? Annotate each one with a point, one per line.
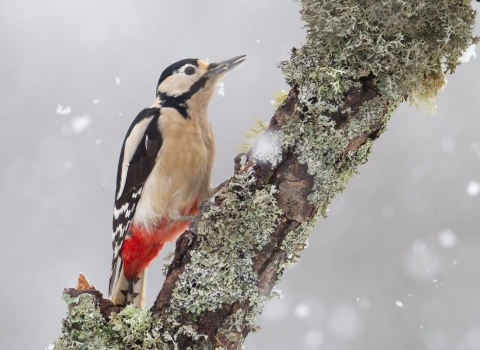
(447, 239)
(221, 88)
(80, 123)
(63, 111)
(473, 188)
(302, 310)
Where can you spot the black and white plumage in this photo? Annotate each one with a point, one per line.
(164, 171)
(137, 158)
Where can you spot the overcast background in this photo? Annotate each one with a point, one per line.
(395, 266)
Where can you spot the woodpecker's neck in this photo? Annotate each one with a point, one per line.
(197, 107)
(192, 106)
(177, 102)
(157, 103)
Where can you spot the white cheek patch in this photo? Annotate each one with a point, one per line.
(177, 84)
(131, 145)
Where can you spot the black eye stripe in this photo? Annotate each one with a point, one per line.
(189, 70)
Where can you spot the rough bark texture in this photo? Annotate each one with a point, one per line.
(295, 184)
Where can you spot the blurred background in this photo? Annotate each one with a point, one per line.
(395, 266)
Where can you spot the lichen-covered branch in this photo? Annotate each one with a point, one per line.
(360, 61)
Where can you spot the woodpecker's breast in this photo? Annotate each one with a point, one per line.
(182, 172)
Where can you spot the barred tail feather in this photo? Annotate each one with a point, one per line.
(130, 291)
(113, 276)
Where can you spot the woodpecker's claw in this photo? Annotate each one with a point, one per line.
(187, 217)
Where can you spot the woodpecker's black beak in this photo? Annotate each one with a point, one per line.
(215, 69)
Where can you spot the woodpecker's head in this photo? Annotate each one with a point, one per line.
(192, 81)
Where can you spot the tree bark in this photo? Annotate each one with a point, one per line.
(295, 184)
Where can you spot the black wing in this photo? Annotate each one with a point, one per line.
(137, 159)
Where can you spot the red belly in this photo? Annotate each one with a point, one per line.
(142, 247)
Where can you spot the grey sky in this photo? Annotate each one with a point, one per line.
(396, 264)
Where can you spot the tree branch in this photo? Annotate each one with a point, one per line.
(361, 60)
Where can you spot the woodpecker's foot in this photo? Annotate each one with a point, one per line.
(176, 216)
(187, 217)
(203, 206)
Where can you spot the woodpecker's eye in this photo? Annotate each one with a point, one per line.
(189, 70)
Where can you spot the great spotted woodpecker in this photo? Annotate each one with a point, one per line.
(163, 173)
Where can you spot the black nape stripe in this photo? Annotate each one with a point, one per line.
(180, 102)
(172, 102)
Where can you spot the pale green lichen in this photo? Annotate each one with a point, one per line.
(259, 126)
(279, 97)
(220, 271)
(407, 45)
(251, 134)
(85, 329)
(368, 114)
(404, 47)
(297, 240)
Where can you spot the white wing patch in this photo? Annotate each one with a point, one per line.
(131, 145)
(125, 208)
(117, 212)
